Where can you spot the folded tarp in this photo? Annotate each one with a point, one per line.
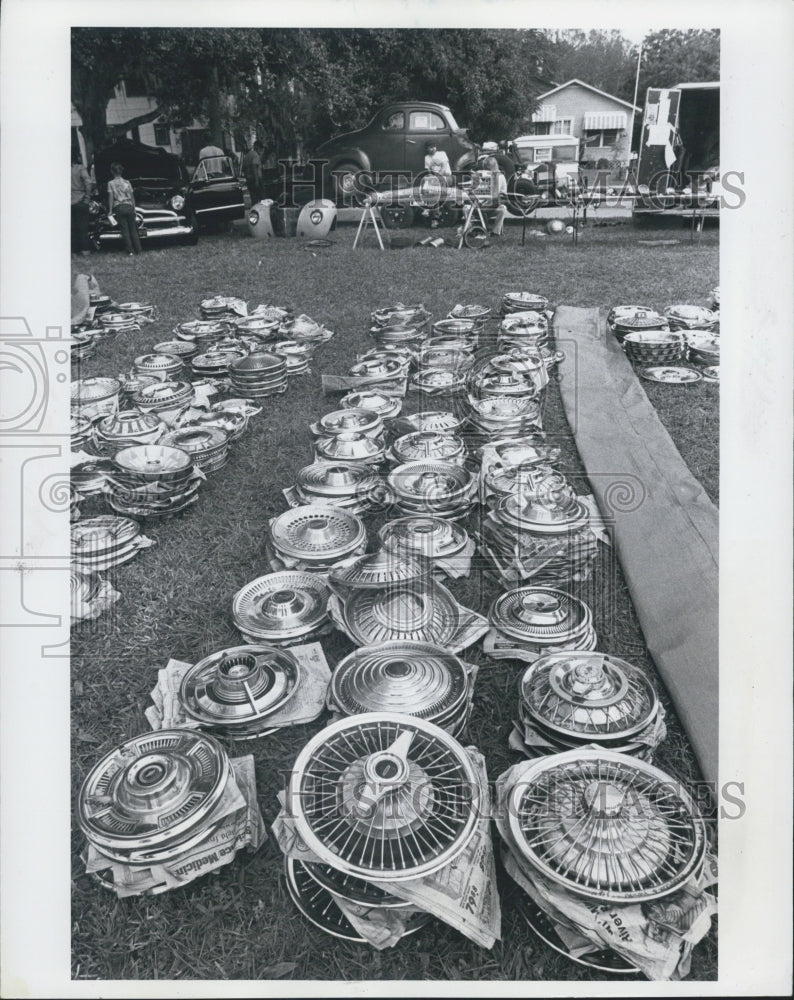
(665, 528)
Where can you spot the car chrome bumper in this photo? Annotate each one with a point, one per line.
(148, 234)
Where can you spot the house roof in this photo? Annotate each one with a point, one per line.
(587, 86)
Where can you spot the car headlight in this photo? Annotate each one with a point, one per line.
(253, 218)
(316, 217)
(177, 202)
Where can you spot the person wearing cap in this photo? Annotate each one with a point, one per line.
(436, 162)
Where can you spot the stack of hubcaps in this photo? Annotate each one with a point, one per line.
(684, 317)
(433, 487)
(202, 333)
(207, 446)
(297, 356)
(168, 400)
(351, 485)
(411, 678)
(524, 329)
(140, 310)
(259, 375)
(152, 481)
(428, 445)
(703, 348)
(95, 397)
(100, 543)
(577, 698)
(603, 828)
(425, 612)
(281, 608)
(385, 406)
(378, 570)
(235, 691)
(541, 620)
(432, 538)
(383, 797)
(543, 537)
(351, 446)
(124, 429)
(155, 797)
(178, 348)
(654, 347)
(317, 536)
(514, 302)
(351, 420)
(634, 319)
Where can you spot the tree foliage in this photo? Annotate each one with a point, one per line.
(296, 87)
(671, 56)
(604, 59)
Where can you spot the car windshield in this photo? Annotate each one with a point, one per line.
(451, 120)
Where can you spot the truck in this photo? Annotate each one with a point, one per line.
(678, 160)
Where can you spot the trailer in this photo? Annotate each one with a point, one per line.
(678, 164)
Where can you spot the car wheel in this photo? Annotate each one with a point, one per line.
(450, 215)
(192, 238)
(397, 216)
(522, 195)
(344, 183)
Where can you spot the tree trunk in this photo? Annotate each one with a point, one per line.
(214, 108)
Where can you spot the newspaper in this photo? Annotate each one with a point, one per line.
(236, 823)
(458, 565)
(471, 625)
(657, 936)
(351, 383)
(463, 893)
(167, 710)
(380, 926)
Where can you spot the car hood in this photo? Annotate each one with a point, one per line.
(154, 191)
(141, 163)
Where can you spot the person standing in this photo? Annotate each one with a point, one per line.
(436, 162)
(81, 198)
(499, 212)
(121, 204)
(252, 171)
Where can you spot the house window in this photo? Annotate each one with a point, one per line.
(162, 135)
(562, 126)
(541, 128)
(543, 153)
(601, 137)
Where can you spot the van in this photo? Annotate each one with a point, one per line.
(679, 156)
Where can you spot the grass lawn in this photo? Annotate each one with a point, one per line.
(176, 597)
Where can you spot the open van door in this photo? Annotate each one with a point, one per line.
(660, 144)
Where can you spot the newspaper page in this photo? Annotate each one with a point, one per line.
(236, 821)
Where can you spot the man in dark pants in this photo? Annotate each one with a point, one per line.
(252, 171)
(81, 196)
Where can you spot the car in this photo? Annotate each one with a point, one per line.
(394, 142)
(170, 201)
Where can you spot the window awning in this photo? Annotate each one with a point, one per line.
(545, 113)
(601, 119)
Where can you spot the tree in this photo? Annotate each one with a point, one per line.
(100, 59)
(671, 56)
(604, 59)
